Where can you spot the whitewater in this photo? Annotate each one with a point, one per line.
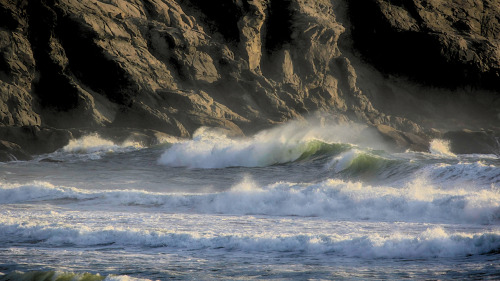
(298, 202)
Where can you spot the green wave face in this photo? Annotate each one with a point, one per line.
(368, 165)
(50, 276)
(317, 149)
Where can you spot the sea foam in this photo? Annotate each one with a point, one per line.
(434, 242)
(417, 201)
(211, 148)
(91, 147)
(441, 147)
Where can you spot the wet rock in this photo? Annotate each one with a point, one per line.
(467, 142)
(403, 141)
(35, 139)
(12, 152)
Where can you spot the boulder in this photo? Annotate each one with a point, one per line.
(403, 141)
(35, 139)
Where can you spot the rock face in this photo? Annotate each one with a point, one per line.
(175, 65)
(452, 43)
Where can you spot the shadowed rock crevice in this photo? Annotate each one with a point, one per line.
(7, 19)
(52, 86)
(279, 26)
(221, 16)
(90, 65)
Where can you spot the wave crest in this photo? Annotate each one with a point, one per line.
(211, 148)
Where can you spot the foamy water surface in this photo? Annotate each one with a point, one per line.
(296, 202)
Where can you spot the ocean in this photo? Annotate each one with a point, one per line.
(296, 202)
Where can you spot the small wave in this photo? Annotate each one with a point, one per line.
(94, 143)
(431, 243)
(63, 276)
(89, 147)
(210, 148)
(418, 201)
(462, 173)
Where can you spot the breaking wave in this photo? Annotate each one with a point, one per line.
(357, 163)
(434, 242)
(441, 148)
(94, 143)
(90, 147)
(210, 148)
(335, 198)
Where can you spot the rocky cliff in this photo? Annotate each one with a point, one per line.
(409, 69)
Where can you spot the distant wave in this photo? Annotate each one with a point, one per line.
(94, 143)
(462, 173)
(416, 201)
(91, 147)
(60, 276)
(431, 243)
(359, 164)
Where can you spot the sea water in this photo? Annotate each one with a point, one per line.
(297, 202)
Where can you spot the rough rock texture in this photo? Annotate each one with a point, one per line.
(443, 43)
(175, 65)
(438, 61)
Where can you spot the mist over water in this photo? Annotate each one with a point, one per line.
(303, 200)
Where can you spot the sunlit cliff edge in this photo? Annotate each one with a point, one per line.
(410, 70)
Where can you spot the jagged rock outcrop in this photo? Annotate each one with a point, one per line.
(175, 65)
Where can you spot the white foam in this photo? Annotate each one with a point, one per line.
(417, 201)
(434, 242)
(93, 147)
(441, 148)
(16, 193)
(211, 148)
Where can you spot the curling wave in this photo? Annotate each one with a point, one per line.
(210, 148)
